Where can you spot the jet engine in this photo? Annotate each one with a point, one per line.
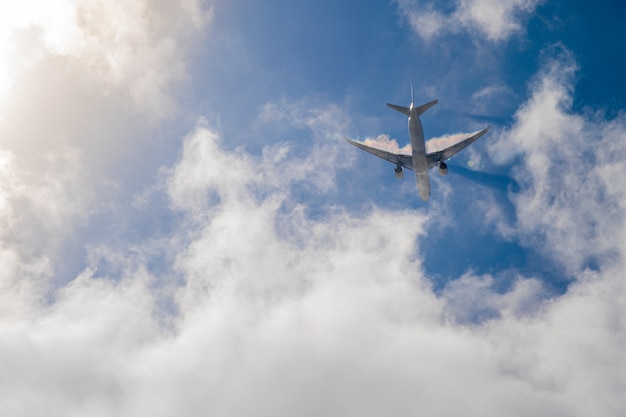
(399, 172)
(443, 169)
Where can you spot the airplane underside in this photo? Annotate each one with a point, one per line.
(419, 161)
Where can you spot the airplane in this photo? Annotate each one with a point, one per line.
(419, 161)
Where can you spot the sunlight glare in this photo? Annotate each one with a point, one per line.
(56, 19)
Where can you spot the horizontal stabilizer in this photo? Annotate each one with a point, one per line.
(421, 109)
(407, 112)
(401, 109)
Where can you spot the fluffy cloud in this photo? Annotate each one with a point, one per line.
(265, 309)
(572, 201)
(39, 212)
(131, 49)
(495, 20)
(273, 312)
(82, 86)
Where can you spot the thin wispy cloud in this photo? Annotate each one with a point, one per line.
(385, 143)
(496, 21)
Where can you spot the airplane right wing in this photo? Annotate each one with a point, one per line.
(405, 161)
(445, 154)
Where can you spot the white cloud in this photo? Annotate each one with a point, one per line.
(324, 120)
(306, 316)
(493, 19)
(490, 91)
(471, 299)
(39, 209)
(568, 204)
(270, 311)
(86, 83)
(136, 50)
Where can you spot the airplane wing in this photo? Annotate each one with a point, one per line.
(405, 161)
(445, 154)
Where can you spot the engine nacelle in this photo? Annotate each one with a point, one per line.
(443, 169)
(399, 172)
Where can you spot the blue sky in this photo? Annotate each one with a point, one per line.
(183, 229)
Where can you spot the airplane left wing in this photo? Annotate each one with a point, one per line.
(445, 154)
(405, 161)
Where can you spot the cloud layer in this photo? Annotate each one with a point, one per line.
(273, 312)
(248, 303)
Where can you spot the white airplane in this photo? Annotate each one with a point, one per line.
(419, 161)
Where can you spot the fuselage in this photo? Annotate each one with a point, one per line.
(418, 145)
